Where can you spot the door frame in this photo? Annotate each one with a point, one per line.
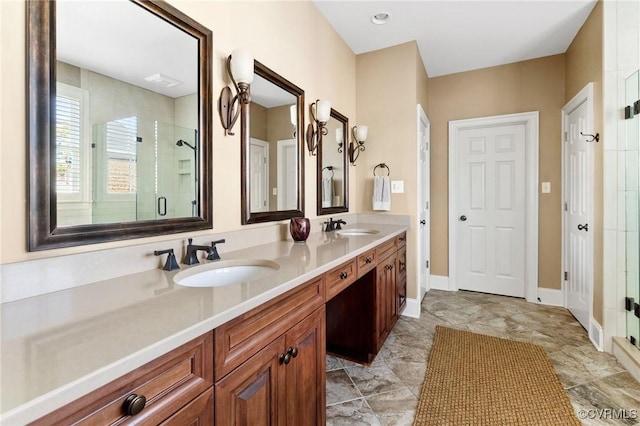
(585, 95)
(531, 122)
(423, 288)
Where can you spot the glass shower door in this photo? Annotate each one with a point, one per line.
(632, 187)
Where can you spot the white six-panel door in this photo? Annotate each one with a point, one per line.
(491, 210)
(259, 166)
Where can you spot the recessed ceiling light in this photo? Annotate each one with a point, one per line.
(380, 18)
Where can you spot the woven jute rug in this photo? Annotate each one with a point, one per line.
(474, 379)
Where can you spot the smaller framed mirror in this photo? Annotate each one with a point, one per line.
(333, 167)
(272, 156)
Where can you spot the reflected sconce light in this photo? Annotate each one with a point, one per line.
(357, 145)
(320, 112)
(240, 71)
(339, 139)
(293, 112)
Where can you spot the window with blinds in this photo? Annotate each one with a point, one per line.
(121, 144)
(67, 145)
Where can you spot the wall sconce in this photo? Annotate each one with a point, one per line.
(339, 139)
(240, 71)
(320, 111)
(357, 145)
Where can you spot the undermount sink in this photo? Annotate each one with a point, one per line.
(225, 272)
(357, 231)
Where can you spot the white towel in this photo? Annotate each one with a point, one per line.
(327, 191)
(381, 193)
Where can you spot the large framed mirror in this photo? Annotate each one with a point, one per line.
(272, 149)
(119, 124)
(333, 167)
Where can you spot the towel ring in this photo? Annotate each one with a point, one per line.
(330, 168)
(381, 165)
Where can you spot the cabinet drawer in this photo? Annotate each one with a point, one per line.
(168, 383)
(340, 278)
(366, 262)
(239, 339)
(386, 249)
(401, 240)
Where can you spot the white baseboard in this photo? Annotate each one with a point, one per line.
(627, 355)
(440, 282)
(551, 297)
(412, 309)
(596, 334)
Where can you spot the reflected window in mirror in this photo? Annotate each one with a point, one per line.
(333, 167)
(272, 154)
(123, 149)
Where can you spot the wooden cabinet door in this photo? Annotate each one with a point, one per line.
(386, 310)
(251, 395)
(198, 412)
(305, 373)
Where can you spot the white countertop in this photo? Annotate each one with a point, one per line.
(59, 346)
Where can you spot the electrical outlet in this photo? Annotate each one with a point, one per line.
(397, 186)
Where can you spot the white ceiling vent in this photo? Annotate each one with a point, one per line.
(163, 80)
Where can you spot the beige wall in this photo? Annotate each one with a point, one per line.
(535, 85)
(584, 65)
(327, 73)
(389, 83)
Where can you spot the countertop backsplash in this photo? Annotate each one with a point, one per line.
(31, 278)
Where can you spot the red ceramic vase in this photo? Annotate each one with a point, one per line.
(299, 227)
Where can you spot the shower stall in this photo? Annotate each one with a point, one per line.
(632, 195)
(144, 170)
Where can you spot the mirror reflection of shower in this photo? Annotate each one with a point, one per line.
(187, 141)
(182, 143)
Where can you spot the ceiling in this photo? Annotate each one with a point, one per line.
(457, 36)
(126, 42)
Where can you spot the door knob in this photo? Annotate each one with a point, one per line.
(584, 227)
(423, 222)
(463, 218)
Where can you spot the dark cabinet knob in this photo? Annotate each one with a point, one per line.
(285, 358)
(367, 260)
(463, 218)
(134, 404)
(293, 352)
(423, 222)
(343, 275)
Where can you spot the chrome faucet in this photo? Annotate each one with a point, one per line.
(191, 255)
(213, 250)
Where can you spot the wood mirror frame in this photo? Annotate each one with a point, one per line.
(43, 232)
(248, 216)
(345, 167)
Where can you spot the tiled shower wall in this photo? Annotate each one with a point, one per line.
(621, 59)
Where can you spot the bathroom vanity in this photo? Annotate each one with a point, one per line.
(140, 347)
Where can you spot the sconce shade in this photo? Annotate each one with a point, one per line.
(361, 133)
(293, 112)
(339, 136)
(323, 111)
(242, 66)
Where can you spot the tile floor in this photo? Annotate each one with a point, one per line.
(386, 393)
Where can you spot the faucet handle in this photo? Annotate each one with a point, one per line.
(171, 263)
(213, 251)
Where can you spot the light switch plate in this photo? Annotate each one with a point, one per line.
(397, 186)
(546, 187)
